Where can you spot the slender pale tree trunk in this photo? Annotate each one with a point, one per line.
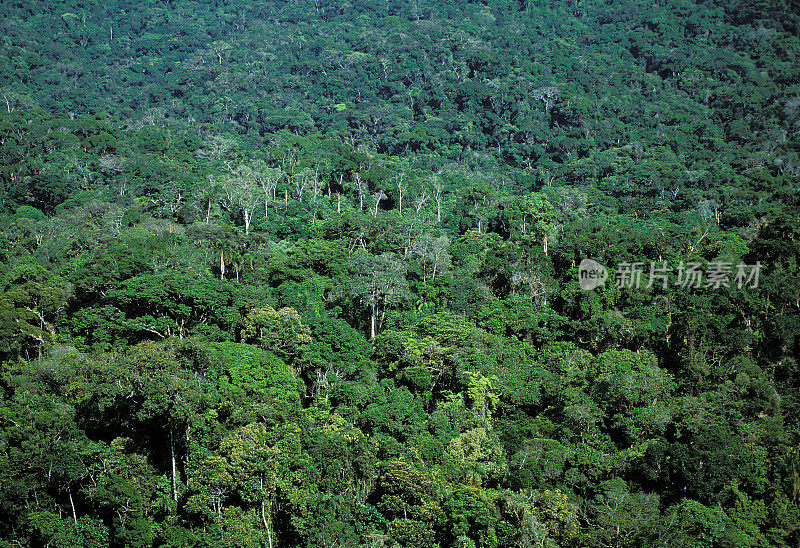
(72, 504)
(378, 199)
(400, 192)
(400, 189)
(248, 216)
(266, 524)
(264, 513)
(174, 474)
(437, 195)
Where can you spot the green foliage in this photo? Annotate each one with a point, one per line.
(305, 273)
(280, 331)
(253, 383)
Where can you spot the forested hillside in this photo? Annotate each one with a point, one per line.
(306, 273)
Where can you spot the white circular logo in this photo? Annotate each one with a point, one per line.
(591, 274)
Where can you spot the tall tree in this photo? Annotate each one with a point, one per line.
(380, 283)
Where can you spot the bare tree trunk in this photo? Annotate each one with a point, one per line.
(360, 188)
(72, 504)
(400, 191)
(264, 514)
(266, 524)
(372, 321)
(172, 454)
(248, 219)
(222, 265)
(378, 197)
(437, 195)
(400, 188)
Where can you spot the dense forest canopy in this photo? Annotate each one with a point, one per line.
(306, 273)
